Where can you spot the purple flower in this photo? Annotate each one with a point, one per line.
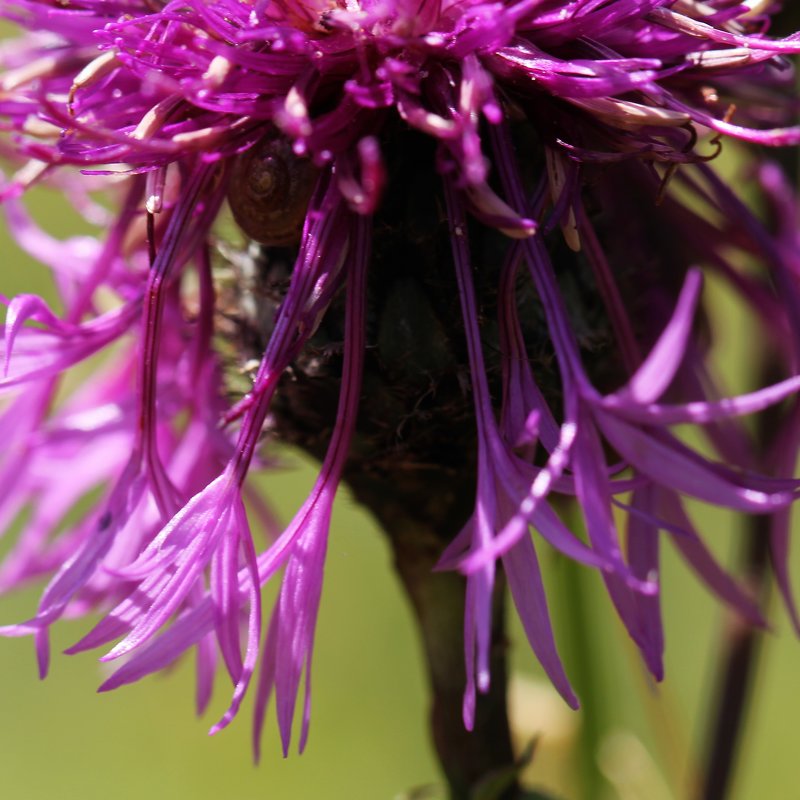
(571, 143)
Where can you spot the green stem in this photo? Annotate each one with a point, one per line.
(468, 759)
(581, 652)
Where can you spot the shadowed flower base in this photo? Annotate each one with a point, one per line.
(414, 458)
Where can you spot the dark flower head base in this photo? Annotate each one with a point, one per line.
(562, 150)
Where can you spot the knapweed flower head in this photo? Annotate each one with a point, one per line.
(543, 168)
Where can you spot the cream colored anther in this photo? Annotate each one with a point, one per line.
(95, 70)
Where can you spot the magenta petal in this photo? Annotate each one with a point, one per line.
(656, 373)
(224, 582)
(74, 575)
(298, 605)
(470, 688)
(194, 623)
(41, 353)
(525, 582)
(643, 557)
(248, 664)
(266, 684)
(667, 463)
(193, 534)
(624, 587)
(28, 307)
(206, 660)
(702, 412)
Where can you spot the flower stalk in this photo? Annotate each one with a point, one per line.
(438, 599)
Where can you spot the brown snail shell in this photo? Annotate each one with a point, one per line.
(269, 191)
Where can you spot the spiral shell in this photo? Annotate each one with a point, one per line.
(269, 191)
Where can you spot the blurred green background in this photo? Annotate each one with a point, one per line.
(369, 738)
